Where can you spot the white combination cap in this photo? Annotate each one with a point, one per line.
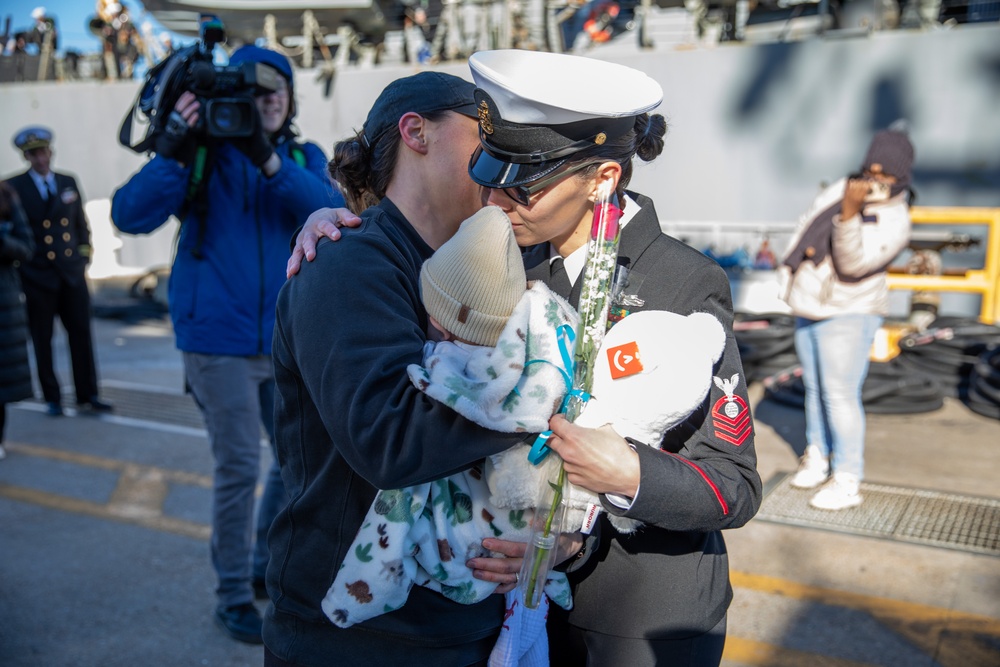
(540, 88)
(538, 109)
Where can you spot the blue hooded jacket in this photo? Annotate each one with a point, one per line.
(222, 301)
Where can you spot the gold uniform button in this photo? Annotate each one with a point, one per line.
(69, 252)
(48, 239)
(64, 222)
(65, 236)
(810, 251)
(46, 224)
(50, 255)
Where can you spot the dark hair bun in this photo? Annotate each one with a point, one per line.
(350, 168)
(649, 133)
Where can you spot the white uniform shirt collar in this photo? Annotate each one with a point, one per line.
(578, 258)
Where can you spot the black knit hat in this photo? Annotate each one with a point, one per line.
(891, 149)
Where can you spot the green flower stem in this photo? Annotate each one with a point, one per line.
(542, 552)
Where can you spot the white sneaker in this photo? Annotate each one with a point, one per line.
(839, 494)
(814, 468)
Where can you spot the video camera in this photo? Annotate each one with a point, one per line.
(226, 92)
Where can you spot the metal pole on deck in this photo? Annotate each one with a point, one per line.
(43, 61)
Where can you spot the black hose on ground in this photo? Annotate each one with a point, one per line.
(984, 384)
(888, 389)
(948, 351)
(766, 343)
(955, 357)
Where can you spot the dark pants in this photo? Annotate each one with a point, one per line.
(372, 648)
(572, 647)
(71, 302)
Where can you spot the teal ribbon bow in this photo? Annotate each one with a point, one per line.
(565, 336)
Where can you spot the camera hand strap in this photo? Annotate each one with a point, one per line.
(125, 135)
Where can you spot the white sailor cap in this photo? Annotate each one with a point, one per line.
(38, 13)
(538, 109)
(32, 137)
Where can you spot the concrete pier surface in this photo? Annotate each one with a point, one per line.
(104, 557)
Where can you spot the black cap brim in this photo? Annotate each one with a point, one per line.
(513, 154)
(494, 172)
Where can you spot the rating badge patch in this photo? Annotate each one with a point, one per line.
(731, 414)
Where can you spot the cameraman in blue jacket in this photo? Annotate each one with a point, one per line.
(228, 268)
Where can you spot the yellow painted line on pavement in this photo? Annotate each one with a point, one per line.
(759, 654)
(951, 638)
(913, 611)
(137, 499)
(175, 476)
(141, 492)
(98, 511)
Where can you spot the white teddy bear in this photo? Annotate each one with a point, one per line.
(653, 370)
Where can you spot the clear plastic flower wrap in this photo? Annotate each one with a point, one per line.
(595, 301)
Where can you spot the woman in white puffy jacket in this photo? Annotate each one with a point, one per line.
(835, 285)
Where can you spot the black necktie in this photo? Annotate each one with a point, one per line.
(50, 193)
(559, 281)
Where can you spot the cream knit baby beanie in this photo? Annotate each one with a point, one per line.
(473, 281)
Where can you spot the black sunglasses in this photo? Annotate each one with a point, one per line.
(522, 193)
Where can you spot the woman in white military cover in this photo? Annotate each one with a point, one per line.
(559, 125)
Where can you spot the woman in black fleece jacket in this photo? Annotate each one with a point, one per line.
(348, 421)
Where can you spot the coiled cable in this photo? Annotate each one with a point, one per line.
(889, 388)
(984, 384)
(955, 357)
(766, 343)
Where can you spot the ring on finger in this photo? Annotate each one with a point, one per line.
(517, 577)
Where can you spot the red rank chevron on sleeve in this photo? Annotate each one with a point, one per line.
(731, 418)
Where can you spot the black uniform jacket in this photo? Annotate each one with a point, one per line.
(60, 228)
(670, 579)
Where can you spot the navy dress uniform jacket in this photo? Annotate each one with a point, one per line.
(670, 579)
(60, 228)
(55, 283)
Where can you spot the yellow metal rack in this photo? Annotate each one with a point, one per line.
(984, 281)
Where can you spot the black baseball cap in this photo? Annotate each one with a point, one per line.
(421, 93)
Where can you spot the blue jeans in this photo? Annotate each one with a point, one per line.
(834, 354)
(236, 395)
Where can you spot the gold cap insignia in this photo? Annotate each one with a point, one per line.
(600, 139)
(484, 118)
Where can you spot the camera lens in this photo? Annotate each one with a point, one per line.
(229, 117)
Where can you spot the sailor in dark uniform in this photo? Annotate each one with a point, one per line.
(55, 280)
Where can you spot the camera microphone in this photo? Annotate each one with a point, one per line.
(202, 76)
